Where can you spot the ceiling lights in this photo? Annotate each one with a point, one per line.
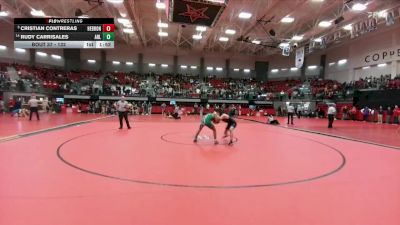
(162, 34)
(236, 69)
(115, 1)
(43, 54)
(20, 50)
(366, 67)
(319, 40)
(123, 21)
(152, 64)
(164, 65)
(230, 31)
(55, 56)
(359, 7)
(219, 68)
(257, 42)
(294, 69)
(197, 36)
(297, 38)
(210, 68)
(274, 70)
(91, 61)
(129, 63)
(39, 13)
(245, 15)
(313, 67)
(348, 27)
(342, 61)
(2, 47)
(246, 70)
(287, 19)
(325, 24)
(223, 39)
(201, 28)
(193, 67)
(160, 5)
(128, 30)
(382, 14)
(332, 63)
(3, 13)
(284, 45)
(183, 66)
(382, 65)
(116, 62)
(162, 25)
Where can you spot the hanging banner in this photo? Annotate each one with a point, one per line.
(299, 57)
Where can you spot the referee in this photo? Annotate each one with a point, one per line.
(33, 107)
(331, 114)
(290, 112)
(122, 108)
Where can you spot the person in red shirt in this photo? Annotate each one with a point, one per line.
(396, 114)
(11, 104)
(353, 113)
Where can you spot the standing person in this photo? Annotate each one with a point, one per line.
(149, 108)
(389, 114)
(299, 111)
(201, 110)
(1, 106)
(331, 114)
(143, 108)
(230, 126)
(163, 106)
(33, 104)
(195, 107)
(396, 114)
(290, 112)
(122, 108)
(380, 114)
(345, 110)
(209, 120)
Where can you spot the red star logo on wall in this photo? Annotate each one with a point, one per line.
(195, 14)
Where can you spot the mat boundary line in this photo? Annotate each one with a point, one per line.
(28, 134)
(329, 135)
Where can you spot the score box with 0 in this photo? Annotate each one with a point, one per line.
(109, 36)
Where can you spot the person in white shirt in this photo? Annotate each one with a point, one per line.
(33, 104)
(290, 112)
(331, 114)
(122, 107)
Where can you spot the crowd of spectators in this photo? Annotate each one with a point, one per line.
(41, 79)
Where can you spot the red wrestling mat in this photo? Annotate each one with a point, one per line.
(154, 174)
(385, 134)
(18, 125)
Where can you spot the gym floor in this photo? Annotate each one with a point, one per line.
(89, 172)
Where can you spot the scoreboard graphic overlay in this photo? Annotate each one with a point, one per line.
(64, 33)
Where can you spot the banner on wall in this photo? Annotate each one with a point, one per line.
(381, 56)
(300, 57)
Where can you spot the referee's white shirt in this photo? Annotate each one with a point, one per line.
(331, 110)
(121, 105)
(290, 109)
(33, 102)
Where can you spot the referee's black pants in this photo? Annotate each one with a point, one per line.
(122, 115)
(331, 118)
(290, 116)
(34, 110)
